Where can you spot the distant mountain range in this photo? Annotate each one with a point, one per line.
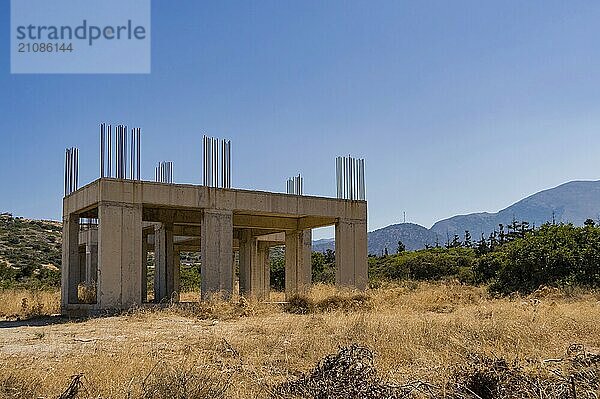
(572, 202)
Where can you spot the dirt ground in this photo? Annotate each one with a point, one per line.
(244, 349)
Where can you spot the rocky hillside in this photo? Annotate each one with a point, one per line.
(28, 249)
(413, 236)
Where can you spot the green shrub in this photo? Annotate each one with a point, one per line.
(426, 264)
(553, 255)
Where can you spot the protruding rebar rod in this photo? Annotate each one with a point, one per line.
(66, 170)
(139, 153)
(76, 170)
(102, 136)
(215, 162)
(350, 178)
(109, 145)
(117, 151)
(131, 153)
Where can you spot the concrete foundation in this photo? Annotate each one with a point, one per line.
(137, 217)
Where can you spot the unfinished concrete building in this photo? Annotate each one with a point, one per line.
(135, 217)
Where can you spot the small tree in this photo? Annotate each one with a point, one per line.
(467, 242)
(401, 247)
(455, 242)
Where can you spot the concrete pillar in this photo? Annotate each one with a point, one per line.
(119, 256)
(298, 268)
(83, 264)
(247, 242)
(70, 259)
(91, 263)
(217, 251)
(351, 254)
(163, 262)
(233, 265)
(144, 279)
(254, 267)
(262, 272)
(175, 281)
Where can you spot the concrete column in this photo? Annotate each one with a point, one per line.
(163, 262)
(119, 256)
(91, 263)
(233, 272)
(247, 242)
(175, 281)
(351, 254)
(262, 272)
(83, 263)
(70, 259)
(217, 251)
(144, 280)
(253, 267)
(298, 268)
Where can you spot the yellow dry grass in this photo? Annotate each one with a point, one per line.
(23, 303)
(418, 331)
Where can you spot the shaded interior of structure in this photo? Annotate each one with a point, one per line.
(167, 234)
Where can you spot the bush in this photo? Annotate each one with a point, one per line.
(427, 264)
(487, 266)
(554, 255)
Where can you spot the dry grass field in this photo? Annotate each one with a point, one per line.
(423, 333)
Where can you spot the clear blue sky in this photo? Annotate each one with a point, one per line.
(457, 106)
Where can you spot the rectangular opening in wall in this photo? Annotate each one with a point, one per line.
(87, 260)
(189, 276)
(277, 272)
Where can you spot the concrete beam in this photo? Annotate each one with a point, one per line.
(273, 237)
(187, 230)
(180, 196)
(217, 253)
(188, 248)
(170, 215)
(351, 254)
(313, 222)
(265, 222)
(270, 223)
